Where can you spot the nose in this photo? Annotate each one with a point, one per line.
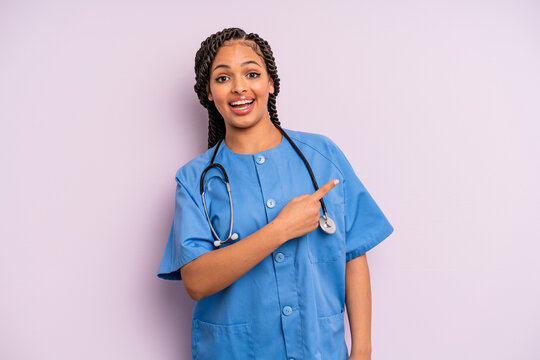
(239, 86)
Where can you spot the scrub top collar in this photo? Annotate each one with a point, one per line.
(267, 153)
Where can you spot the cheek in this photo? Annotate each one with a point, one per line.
(220, 96)
(261, 89)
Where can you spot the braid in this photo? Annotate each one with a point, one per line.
(216, 126)
(272, 71)
(203, 61)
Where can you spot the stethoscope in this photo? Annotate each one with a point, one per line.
(325, 222)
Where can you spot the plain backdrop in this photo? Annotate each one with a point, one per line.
(435, 103)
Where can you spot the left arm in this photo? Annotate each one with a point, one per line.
(358, 302)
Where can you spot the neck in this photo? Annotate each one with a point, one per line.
(264, 135)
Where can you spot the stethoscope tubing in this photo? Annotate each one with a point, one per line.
(325, 225)
(307, 166)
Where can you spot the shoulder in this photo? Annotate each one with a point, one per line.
(320, 144)
(188, 175)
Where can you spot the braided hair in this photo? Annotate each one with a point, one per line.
(203, 62)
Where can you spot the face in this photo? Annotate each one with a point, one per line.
(239, 85)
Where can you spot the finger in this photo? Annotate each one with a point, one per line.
(323, 190)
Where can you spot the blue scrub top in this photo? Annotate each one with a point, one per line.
(291, 304)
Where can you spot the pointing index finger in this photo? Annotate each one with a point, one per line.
(323, 190)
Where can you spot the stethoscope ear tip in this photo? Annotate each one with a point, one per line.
(217, 243)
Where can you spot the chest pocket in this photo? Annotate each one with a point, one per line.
(325, 247)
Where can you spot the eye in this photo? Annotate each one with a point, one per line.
(253, 75)
(221, 79)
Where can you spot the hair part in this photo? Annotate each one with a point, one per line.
(203, 62)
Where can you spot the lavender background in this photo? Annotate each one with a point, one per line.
(435, 103)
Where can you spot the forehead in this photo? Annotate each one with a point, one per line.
(237, 51)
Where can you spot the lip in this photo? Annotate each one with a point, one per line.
(244, 110)
(240, 98)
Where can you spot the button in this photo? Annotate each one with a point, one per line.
(271, 203)
(260, 159)
(287, 310)
(280, 257)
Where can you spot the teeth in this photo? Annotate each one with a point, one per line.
(241, 102)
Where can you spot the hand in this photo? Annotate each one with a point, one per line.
(301, 214)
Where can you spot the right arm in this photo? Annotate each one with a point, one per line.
(215, 270)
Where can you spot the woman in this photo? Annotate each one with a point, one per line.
(274, 285)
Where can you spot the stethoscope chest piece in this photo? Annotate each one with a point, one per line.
(327, 224)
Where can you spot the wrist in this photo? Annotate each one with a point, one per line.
(361, 350)
(278, 231)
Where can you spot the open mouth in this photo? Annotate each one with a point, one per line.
(241, 104)
(242, 107)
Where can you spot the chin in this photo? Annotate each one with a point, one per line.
(243, 122)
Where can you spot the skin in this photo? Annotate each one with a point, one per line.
(358, 300)
(245, 74)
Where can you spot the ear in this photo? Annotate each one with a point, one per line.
(271, 88)
(210, 97)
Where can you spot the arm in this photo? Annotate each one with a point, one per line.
(219, 268)
(215, 270)
(358, 301)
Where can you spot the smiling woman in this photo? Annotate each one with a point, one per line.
(275, 286)
(239, 87)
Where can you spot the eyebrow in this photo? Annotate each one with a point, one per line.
(244, 63)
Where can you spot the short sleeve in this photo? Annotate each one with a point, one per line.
(189, 238)
(365, 223)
